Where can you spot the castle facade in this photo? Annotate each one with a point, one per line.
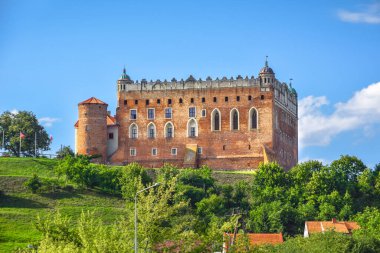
(228, 123)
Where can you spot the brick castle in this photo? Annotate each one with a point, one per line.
(223, 123)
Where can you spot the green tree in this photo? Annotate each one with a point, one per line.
(64, 151)
(27, 123)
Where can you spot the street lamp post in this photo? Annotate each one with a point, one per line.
(136, 243)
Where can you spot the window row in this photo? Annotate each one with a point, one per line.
(180, 100)
(192, 124)
(154, 151)
(168, 113)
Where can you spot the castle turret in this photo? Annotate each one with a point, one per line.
(91, 128)
(123, 81)
(266, 74)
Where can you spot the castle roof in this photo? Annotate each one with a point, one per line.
(92, 100)
(111, 121)
(124, 76)
(266, 69)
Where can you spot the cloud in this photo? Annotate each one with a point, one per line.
(370, 15)
(361, 111)
(47, 121)
(14, 111)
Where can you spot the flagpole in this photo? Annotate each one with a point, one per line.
(20, 145)
(35, 144)
(3, 146)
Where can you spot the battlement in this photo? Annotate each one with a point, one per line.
(125, 85)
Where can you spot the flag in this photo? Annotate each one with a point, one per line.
(22, 136)
(51, 138)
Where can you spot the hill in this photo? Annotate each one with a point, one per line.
(19, 207)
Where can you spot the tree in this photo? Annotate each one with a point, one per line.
(26, 122)
(64, 151)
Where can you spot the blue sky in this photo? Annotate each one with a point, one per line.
(54, 54)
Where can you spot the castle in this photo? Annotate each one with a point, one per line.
(223, 123)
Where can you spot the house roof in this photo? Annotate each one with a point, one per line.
(345, 227)
(258, 239)
(92, 100)
(111, 121)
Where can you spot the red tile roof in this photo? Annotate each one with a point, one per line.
(111, 121)
(92, 100)
(254, 239)
(345, 227)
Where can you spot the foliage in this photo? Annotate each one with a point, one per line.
(27, 123)
(132, 175)
(64, 151)
(34, 183)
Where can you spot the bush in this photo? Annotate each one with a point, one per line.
(34, 183)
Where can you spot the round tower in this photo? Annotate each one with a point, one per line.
(266, 74)
(92, 128)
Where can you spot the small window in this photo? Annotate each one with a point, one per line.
(191, 100)
(154, 151)
(136, 102)
(224, 147)
(132, 151)
(249, 98)
(192, 112)
(262, 97)
(147, 102)
(168, 113)
(125, 102)
(180, 100)
(158, 101)
(215, 100)
(204, 113)
(203, 100)
(225, 99)
(110, 136)
(151, 113)
(249, 147)
(173, 151)
(199, 150)
(238, 98)
(133, 114)
(169, 101)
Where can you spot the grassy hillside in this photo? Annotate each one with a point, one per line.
(19, 207)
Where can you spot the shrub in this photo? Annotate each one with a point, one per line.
(34, 183)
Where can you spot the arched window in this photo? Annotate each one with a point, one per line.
(192, 128)
(253, 118)
(133, 131)
(169, 130)
(151, 131)
(215, 120)
(234, 119)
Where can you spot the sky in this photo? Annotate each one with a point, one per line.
(55, 54)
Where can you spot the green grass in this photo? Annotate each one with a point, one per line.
(19, 207)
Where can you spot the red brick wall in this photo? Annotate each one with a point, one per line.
(242, 147)
(92, 130)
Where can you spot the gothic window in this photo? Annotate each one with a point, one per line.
(192, 128)
(133, 131)
(215, 120)
(253, 118)
(234, 119)
(169, 130)
(151, 131)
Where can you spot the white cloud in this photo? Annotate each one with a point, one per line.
(14, 111)
(370, 15)
(360, 112)
(47, 121)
